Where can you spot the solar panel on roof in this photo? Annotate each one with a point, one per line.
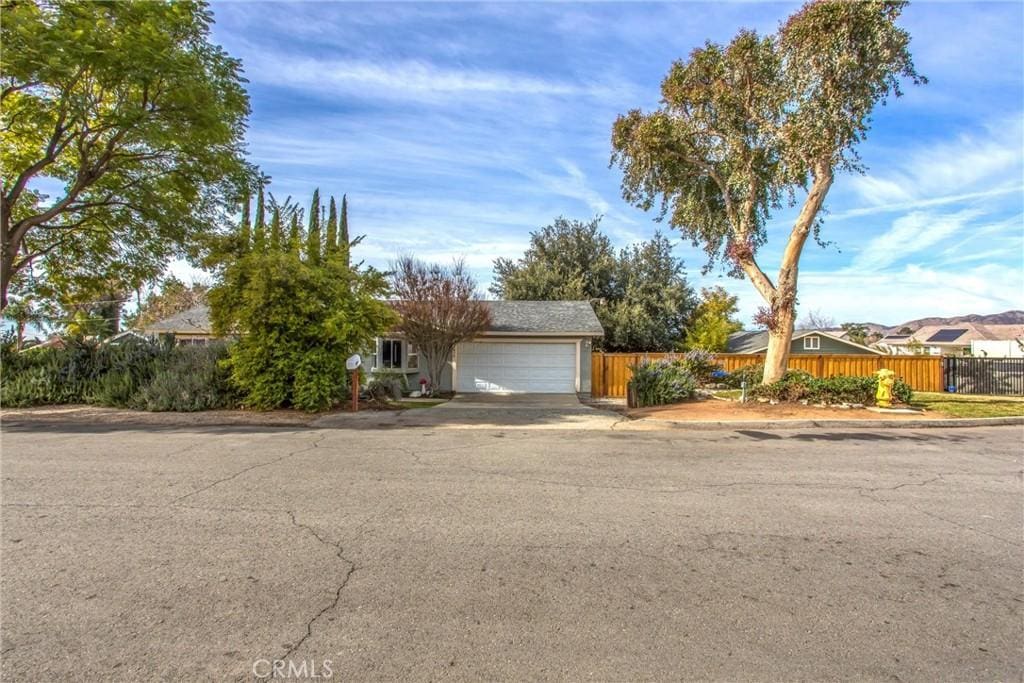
(946, 335)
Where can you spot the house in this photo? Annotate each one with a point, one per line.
(951, 340)
(190, 327)
(805, 342)
(531, 346)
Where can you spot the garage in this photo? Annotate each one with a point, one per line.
(516, 367)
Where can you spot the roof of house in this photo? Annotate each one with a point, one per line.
(544, 317)
(756, 341)
(507, 317)
(960, 334)
(195, 320)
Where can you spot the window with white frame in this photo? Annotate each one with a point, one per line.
(412, 357)
(812, 343)
(391, 353)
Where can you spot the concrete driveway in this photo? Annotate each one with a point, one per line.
(509, 554)
(489, 411)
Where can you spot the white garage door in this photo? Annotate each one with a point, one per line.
(516, 367)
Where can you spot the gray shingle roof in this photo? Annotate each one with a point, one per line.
(545, 317)
(522, 317)
(747, 341)
(193, 321)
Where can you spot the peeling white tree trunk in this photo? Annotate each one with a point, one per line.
(782, 300)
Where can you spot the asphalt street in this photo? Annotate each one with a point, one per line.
(425, 553)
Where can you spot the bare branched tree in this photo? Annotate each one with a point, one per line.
(439, 307)
(816, 320)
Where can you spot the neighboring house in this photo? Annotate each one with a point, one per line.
(805, 342)
(996, 348)
(949, 340)
(190, 327)
(531, 346)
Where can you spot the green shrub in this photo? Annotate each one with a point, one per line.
(191, 378)
(751, 374)
(50, 376)
(797, 385)
(321, 380)
(660, 382)
(137, 373)
(387, 381)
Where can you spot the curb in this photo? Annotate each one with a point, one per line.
(832, 424)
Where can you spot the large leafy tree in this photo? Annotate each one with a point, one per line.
(640, 294)
(652, 303)
(569, 259)
(762, 122)
(136, 116)
(298, 314)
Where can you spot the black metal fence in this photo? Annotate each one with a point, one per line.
(998, 376)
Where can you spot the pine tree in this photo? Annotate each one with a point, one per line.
(313, 242)
(331, 246)
(259, 228)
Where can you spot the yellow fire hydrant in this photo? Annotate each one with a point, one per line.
(883, 396)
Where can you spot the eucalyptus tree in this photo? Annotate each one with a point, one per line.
(748, 128)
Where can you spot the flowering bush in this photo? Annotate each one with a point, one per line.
(700, 364)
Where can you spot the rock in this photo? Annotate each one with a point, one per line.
(843, 406)
(856, 405)
(821, 405)
(773, 402)
(804, 402)
(762, 400)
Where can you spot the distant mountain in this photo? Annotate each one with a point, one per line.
(1005, 318)
(880, 330)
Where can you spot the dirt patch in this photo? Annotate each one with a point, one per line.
(712, 410)
(116, 416)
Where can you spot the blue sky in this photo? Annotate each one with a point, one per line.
(456, 129)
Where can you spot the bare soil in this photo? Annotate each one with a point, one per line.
(98, 414)
(713, 410)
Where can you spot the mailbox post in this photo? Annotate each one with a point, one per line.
(352, 364)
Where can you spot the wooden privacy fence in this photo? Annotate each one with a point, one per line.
(610, 371)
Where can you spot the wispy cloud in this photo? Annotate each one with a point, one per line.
(912, 234)
(417, 80)
(974, 164)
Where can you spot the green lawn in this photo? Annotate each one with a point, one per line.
(966, 405)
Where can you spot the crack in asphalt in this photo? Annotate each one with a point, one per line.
(314, 445)
(350, 570)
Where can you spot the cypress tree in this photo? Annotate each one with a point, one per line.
(260, 228)
(294, 237)
(331, 246)
(343, 243)
(313, 245)
(276, 230)
(245, 232)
